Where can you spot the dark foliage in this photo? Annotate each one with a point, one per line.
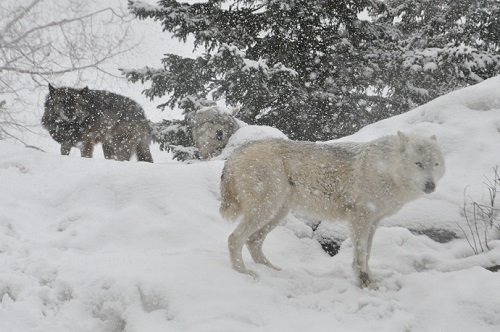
(320, 69)
(175, 136)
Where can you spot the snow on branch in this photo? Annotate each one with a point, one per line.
(34, 44)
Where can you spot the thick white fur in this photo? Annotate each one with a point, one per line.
(357, 182)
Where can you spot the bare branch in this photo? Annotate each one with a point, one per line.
(18, 17)
(482, 218)
(57, 23)
(38, 44)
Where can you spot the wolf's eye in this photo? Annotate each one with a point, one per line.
(419, 164)
(219, 135)
(436, 164)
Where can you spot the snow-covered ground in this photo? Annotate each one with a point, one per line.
(98, 245)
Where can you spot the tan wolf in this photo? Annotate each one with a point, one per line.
(358, 182)
(84, 117)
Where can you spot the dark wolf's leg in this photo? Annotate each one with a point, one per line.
(87, 150)
(143, 152)
(123, 150)
(142, 143)
(66, 148)
(109, 151)
(122, 143)
(256, 240)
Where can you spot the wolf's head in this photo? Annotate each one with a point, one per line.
(211, 131)
(423, 161)
(66, 105)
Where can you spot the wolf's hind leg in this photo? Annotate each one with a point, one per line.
(124, 154)
(109, 151)
(142, 151)
(123, 148)
(256, 240)
(236, 241)
(87, 150)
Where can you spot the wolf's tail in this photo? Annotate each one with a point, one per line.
(230, 207)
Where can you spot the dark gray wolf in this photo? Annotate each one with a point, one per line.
(211, 131)
(357, 182)
(84, 117)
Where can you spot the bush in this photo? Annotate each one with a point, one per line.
(482, 218)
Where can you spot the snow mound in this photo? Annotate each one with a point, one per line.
(467, 125)
(249, 133)
(479, 97)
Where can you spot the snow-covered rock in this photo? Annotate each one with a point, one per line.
(249, 133)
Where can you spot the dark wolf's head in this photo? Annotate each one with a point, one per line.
(67, 104)
(65, 111)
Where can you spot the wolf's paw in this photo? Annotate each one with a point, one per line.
(244, 270)
(250, 273)
(365, 281)
(371, 285)
(271, 266)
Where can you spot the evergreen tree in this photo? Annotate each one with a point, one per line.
(439, 47)
(321, 69)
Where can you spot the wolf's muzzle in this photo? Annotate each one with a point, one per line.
(429, 187)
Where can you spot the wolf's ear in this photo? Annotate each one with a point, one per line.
(84, 91)
(403, 140)
(51, 89)
(434, 138)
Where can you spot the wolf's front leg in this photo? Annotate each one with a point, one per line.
(66, 148)
(362, 235)
(109, 151)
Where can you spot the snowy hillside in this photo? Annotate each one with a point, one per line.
(467, 125)
(98, 245)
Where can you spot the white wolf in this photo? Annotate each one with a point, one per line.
(357, 182)
(211, 130)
